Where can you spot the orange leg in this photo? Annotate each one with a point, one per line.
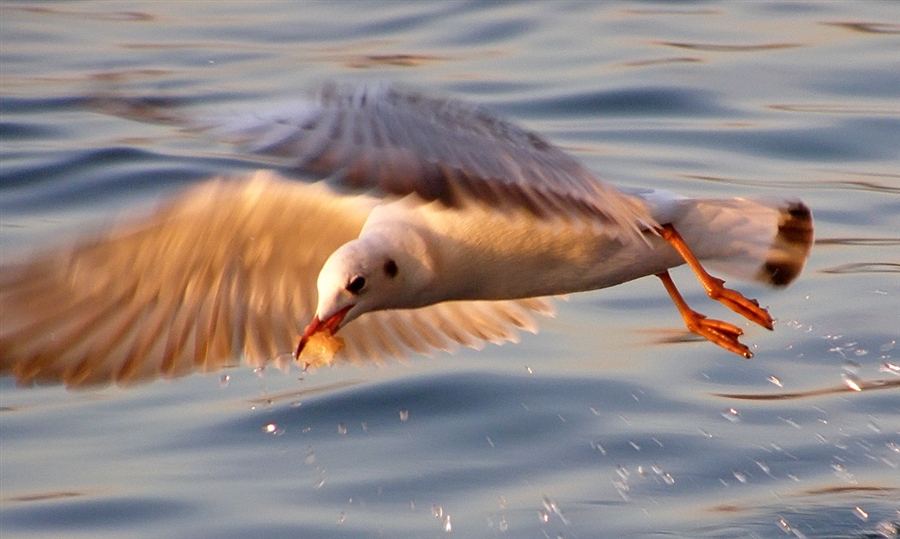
(748, 308)
(717, 331)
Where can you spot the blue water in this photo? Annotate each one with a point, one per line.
(606, 424)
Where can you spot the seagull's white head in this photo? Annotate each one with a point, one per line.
(364, 275)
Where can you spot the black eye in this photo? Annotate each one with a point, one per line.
(356, 285)
(390, 268)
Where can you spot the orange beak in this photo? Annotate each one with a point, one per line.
(330, 326)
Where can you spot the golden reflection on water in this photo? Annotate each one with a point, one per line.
(44, 496)
(392, 60)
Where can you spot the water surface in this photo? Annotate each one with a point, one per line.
(610, 422)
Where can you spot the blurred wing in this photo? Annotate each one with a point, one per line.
(227, 268)
(225, 272)
(402, 142)
(388, 334)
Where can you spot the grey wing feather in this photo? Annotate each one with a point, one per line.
(449, 151)
(399, 141)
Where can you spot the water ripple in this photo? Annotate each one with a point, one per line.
(854, 185)
(863, 267)
(712, 47)
(871, 385)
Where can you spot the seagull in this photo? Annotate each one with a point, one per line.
(431, 223)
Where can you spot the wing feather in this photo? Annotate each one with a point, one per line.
(400, 141)
(222, 274)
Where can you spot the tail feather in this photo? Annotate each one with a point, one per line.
(791, 247)
(762, 240)
(755, 239)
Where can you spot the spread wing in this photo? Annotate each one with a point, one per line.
(223, 273)
(402, 142)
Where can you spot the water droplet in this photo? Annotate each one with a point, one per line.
(732, 415)
(296, 404)
(502, 501)
(740, 476)
(437, 511)
(861, 352)
(447, 527)
(260, 371)
(775, 380)
(668, 479)
(890, 368)
(544, 516)
(341, 517)
(318, 484)
(858, 511)
(841, 471)
(594, 411)
(599, 448)
(489, 441)
(622, 488)
(528, 370)
(365, 426)
(342, 429)
(851, 381)
(785, 527)
(551, 506)
(888, 346)
(634, 445)
(503, 525)
(224, 379)
(273, 429)
(404, 415)
(310, 457)
(889, 530)
(852, 367)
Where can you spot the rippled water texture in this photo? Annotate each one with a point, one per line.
(610, 422)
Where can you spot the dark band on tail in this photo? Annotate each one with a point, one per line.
(791, 246)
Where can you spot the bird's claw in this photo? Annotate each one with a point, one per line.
(737, 302)
(718, 332)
